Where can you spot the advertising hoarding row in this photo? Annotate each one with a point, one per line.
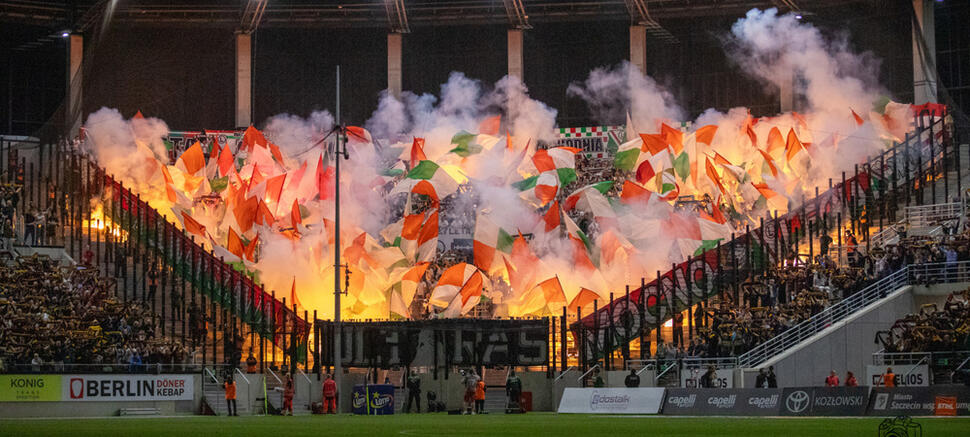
(93, 388)
(938, 400)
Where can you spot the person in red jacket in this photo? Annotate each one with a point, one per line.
(330, 395)
(832, 380)
(288, 397)
(850, 380)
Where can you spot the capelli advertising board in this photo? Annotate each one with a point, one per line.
(609, 400)
(722, 402)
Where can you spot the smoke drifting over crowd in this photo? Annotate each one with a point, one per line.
(550, 227)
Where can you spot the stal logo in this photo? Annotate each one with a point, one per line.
(607, 402)
(797, 401)
(881, 400)
(77, 388)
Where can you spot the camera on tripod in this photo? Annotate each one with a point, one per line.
(901, 426)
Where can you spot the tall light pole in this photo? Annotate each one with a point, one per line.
(337, 367)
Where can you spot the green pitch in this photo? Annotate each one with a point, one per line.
(530, 425)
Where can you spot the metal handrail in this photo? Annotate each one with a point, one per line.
(664, 371)
(205, 370)
(564, 372)
(271, 372)
(243, 375)
(851, 305)
(964, 363)
(596, 366)
(307, 378)
(915, 366)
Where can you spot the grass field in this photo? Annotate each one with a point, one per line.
(531, 425)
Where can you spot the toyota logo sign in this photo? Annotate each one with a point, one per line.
(797, 401)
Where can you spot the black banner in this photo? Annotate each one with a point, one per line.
(446, 342)
(722, 402)
(824, 401)
(936, 400)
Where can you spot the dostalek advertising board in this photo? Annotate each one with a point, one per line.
(612, 400)
(906, 375)
(824, 401)
(722, 402)
(73, 388)
(936, 400)
(446, 342)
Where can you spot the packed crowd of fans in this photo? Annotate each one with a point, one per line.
(789, 295)
(932, 329)
(82, 321)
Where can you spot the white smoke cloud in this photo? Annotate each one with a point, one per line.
(611, 93)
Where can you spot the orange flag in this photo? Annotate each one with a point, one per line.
(718, 216)
(673, 137)
(645, 172)
(417, 151)
(653, 143)
(490, 125)
(720, 160)
(712, 173)
(295, 214)
(192, 226)
(245, 213)
(169, 191)
(551, 217)
(793, 146)
(633, 193)
(214, 151)
(235, 245)
(138, 115)
(583, 298)
(275, 151)
(293, 299)
(193, 158)
(263, 215)
(858, 119)
(250, 251)
(552, 290)
(771, 163)
(225, 161)
(705, 134)
(274, 188)
(775, 140)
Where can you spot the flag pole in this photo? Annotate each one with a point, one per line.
(337, 368)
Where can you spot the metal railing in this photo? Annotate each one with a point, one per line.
(564, 372)
(242, 375)
(897, 358)
(917, 273)
(932, 215)
(591, 369)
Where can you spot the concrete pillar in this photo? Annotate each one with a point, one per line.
(638, 47)
(394, 64)
(244, 79)
(924, 78)
(786, 93)
(515, 54)
(75, 55)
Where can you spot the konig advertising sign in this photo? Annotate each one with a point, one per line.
(824, 401)
(612, 400)
(30, 388)
(127, 388)
(718, 402)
